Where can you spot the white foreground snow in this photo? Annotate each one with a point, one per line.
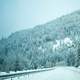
(59, 73)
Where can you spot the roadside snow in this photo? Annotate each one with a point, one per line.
(59, 73)
(79, 67)
(3, 73)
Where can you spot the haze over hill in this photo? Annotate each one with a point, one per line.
(33, 48)
(16, 15)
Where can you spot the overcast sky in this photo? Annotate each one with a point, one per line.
(16, 15)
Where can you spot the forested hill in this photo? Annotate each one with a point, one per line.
(34, 48)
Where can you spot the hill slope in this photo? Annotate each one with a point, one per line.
(33, 48)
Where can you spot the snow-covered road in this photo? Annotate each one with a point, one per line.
(59, 73)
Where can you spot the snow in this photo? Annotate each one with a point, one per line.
(3, 73)
(42, 49)
(79, 67)
(67, 41)
(56, 45)
(59, 44)
(59, 73)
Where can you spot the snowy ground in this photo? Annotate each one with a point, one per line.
(59, 73)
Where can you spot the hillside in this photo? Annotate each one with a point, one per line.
(33, 48)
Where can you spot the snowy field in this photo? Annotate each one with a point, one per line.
(59, 73)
